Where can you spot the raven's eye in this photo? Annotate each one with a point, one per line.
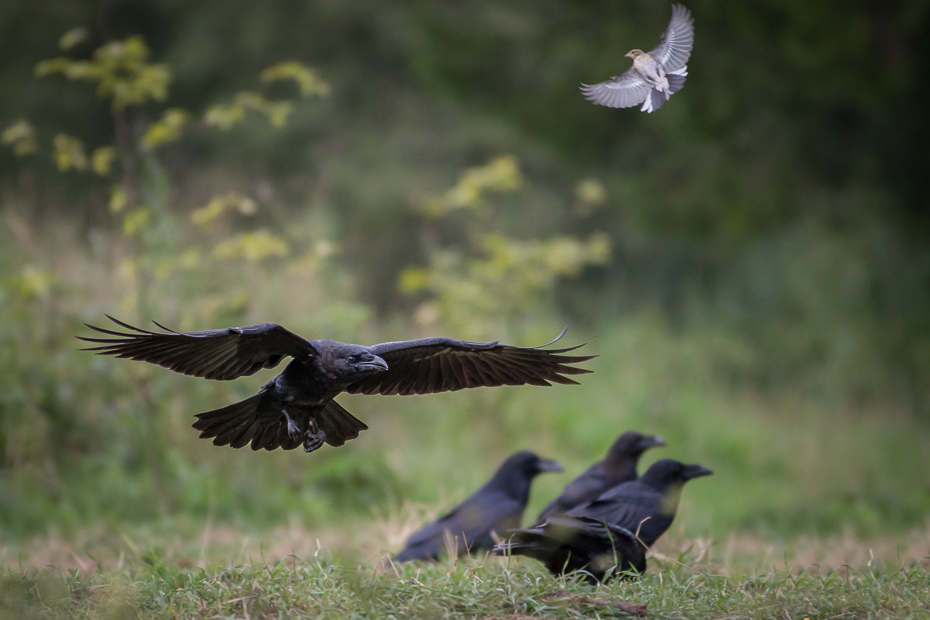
(353, 358)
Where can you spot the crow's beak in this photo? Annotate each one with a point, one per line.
(549, 465)
(652, 441)
(695, 471)
(375, 363)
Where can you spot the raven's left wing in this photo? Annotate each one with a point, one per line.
(432, 365)
(222, 354)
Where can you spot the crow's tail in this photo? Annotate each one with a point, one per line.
(251, 420)
(339, 425)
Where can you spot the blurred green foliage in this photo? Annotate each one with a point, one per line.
(752, 260)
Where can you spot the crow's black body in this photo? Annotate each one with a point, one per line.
(618, 466)
(496, 507)
(297, 406)
(639, 511)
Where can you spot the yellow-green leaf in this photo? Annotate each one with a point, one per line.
(21, 136)
(69, 153)
(591, 191)
(136, 220)
(72, 38)
(252, 246)
(167, 129)
(307, 79)
(118, 199)
(102, 159)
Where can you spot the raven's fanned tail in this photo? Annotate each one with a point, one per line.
(339, 425)
(251, 420)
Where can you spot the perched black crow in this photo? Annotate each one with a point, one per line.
(297, 406)
(496, 507)
(618, 466)
(638, 511)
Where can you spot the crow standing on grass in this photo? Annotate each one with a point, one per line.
(297, 406)
(612, 531)
(618, 466)
(494, 509)
(654, 76)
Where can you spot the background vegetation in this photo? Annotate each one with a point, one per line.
(750, 263)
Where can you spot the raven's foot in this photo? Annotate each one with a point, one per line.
(292, 429)
(314, 437)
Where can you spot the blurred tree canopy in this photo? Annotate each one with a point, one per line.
(781, 197)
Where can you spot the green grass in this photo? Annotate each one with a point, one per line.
(325, 588)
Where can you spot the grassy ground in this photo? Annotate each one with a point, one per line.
(694, 582)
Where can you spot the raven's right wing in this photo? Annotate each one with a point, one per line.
(214, 354)
(433, 365)
(621, 91)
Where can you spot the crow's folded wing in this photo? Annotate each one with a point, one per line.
(214, 354)
(432, 365)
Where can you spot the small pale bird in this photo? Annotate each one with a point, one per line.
(654, 76)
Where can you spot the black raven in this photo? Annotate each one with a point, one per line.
(297, 406)
(496, 507)
(601, 534)
(618, 466)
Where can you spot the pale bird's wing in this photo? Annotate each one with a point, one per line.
(675, 46)
(622, 91)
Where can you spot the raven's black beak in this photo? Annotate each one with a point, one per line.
(695, 471)
(549, 465)
(652, 441)
(375, 363)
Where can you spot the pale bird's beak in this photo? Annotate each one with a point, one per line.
(629, 54)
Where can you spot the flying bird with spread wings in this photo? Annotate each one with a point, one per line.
(654, 76)
(297, 406)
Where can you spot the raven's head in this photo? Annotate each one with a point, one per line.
(515, 474)
(668, 476)
(351, 362)
(633, 444)
(666, 473)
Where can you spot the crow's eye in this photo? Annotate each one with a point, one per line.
(353, 358)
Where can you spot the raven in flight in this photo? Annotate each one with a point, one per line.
(297, 406)
(618, 466)
(496, 507)
(612, 531)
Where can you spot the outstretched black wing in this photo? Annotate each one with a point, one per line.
(432, 365)
(214, 354)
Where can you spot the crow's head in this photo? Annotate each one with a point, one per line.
(351, 362)
(633, 444)
(513, 477)
(668, 476)
(666, 473)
